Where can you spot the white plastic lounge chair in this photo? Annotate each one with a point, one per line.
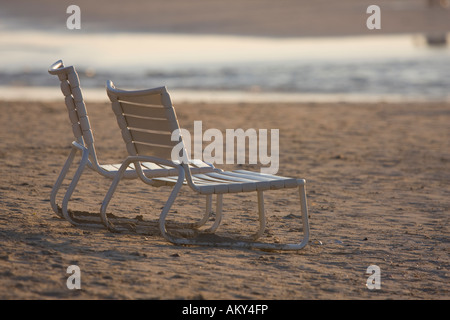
(146, 119)
(84, 142)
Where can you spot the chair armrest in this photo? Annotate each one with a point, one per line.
(141, 174)
(156, 160)
(77, 145)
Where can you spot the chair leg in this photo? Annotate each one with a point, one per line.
(205, 217)
(59, 181)
(304, 241)
(218, 220)
(84, 160)
(108, 197)
(262, 216)
(219, 215)
(63, 211)
(113, 188)
(249, 245)
(165, 211)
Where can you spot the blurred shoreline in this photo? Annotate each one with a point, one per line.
(230, 68)
(294, 48)
(98, 95)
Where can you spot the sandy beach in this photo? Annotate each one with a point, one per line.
(377, 185)
(378, 176)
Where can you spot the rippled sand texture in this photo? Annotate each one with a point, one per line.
(378, 191)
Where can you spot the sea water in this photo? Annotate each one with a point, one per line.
(228, 68)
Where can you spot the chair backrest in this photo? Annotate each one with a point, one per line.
(70, 87)
(146, 119)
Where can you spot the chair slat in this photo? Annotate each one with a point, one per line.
(229, 178)
(201, 181)
(109, 167)
(153, 150)
(276, 182)
(149, 124)
(199, 163)
(262, 183)
(73, 79)
(152, 166)
(262, 175)
(234, 184)
(152, 138)
(130, 167)
(153, 99)
(65, 88)
(210, 179)
(144, 110)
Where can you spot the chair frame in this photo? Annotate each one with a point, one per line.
(84, 143)
(185, 176)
